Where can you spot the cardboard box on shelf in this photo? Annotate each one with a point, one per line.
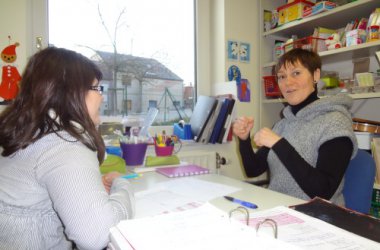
(292, 11)
(355, 37)
(315, 44)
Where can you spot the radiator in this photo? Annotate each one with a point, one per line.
(202, 158)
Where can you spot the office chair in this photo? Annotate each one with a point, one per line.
(358, 182)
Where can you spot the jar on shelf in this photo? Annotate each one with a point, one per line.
(373, 33)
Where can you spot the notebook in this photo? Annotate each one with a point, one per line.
(182, 171)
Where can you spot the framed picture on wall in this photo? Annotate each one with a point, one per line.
(233, 50)
(244, 52)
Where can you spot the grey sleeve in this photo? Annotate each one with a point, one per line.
(86, 210)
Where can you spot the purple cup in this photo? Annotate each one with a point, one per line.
(133, 154)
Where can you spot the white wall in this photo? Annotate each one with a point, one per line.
(13, 16)
(220, 21)
(23, 20)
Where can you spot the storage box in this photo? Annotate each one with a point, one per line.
(310, 43)
(322, 6)
(330, 82)
(364, 138)
(355, 37)
(271, 87)
(365, 79)
(292, 11)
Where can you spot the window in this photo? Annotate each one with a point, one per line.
(144, 48)
(152, 104)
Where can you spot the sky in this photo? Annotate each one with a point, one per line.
(148, 28)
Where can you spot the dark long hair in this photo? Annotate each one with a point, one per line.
(54, 79)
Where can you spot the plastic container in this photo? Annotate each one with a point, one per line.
(373, 33)
(164, 151)
(310, 43)
(133, 154)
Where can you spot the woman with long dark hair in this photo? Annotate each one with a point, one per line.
(52, 195)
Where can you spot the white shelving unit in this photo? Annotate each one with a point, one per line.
(332, 60)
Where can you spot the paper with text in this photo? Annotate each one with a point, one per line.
(177, 195)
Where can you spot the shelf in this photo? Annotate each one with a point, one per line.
(333, 19)
(351, 52)
(345, 53)
(354, 96)
(337, 59)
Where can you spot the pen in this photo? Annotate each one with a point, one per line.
(130, 176)
(241, 202)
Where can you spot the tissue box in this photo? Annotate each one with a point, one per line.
(355, 37)
(292, 11)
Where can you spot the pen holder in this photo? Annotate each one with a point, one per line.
(167, 150)
(164, 150)
(133, 154)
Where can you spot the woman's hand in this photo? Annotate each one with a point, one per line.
(242, 126)
(108, 178)
(266, 137)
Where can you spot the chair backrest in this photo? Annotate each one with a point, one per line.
(358, 182)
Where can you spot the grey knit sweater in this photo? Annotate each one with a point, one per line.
(320, 121)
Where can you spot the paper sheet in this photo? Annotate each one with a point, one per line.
(178, 194)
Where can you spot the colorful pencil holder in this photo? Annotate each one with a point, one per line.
(164, 150)
(169, 148)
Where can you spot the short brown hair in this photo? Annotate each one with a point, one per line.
(308, 59)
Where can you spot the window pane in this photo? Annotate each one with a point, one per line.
(144, 48)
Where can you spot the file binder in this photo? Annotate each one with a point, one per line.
(202, 111)
(205, 138)
(220, 121)
(227, 122)
(355, 222)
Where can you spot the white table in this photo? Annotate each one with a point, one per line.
(262, 197)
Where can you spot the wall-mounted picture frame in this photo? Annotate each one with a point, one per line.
(244, 90)
(244, 52)
(233, 50)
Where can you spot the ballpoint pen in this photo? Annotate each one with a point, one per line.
(241, 202)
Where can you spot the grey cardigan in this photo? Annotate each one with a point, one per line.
(320, 121)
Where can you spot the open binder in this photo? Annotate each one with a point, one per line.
(205, 227)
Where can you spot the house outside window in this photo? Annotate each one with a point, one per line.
(144, 56)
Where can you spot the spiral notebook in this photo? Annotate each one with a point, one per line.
(186, 170)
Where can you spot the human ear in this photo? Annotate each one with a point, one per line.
(317, 75)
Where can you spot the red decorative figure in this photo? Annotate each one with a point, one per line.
(10, 79)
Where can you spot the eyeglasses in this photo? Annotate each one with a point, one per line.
(98, 88)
